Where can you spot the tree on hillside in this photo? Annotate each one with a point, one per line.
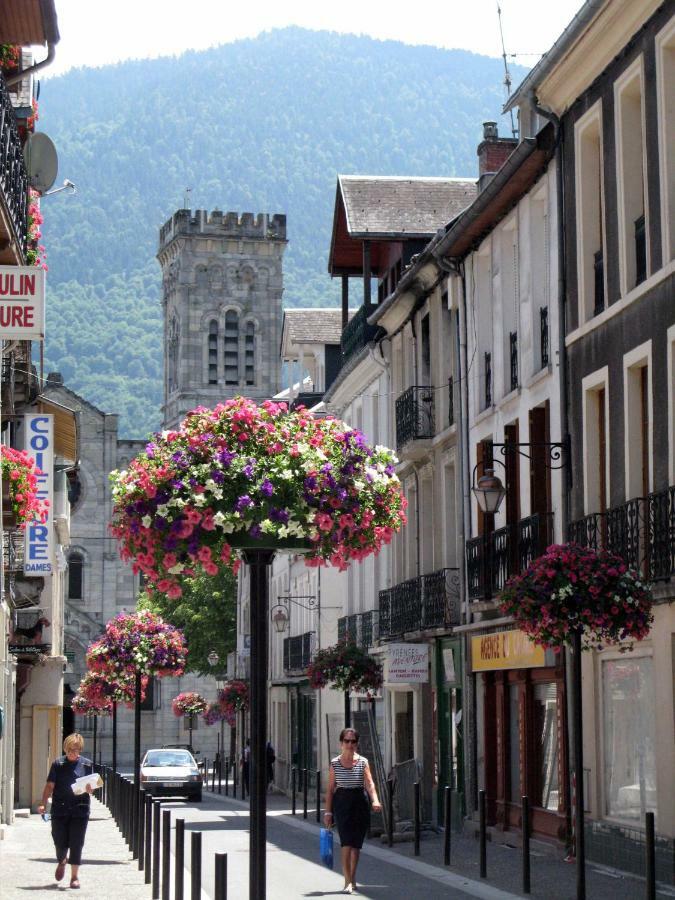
(206, 613)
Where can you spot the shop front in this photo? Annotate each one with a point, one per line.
(522, 690)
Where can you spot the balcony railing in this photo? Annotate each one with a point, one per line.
(641, 532)
(419, 604)
(513, 359)
(357, 333)
(13, 177)
(414, 415)
(298, 652)
(358, 629)
(543, 336)
(493, 558)
(487, 362)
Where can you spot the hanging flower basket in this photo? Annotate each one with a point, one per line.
(346, 667)
(20, 501)
(234, 697)
(246, 475)
(10, 58)
(97, 693)
(189, 703)
(139, 642)
(576, 589)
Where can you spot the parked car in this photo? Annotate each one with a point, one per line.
(171, 772)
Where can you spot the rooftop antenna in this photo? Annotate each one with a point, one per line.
(507, 74)
(186, 198)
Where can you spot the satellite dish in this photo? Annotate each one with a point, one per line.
(42, 163)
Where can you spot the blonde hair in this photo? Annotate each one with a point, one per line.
(73, 742)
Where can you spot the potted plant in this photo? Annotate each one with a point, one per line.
(20, 500)
(189, 704)
(346, 667)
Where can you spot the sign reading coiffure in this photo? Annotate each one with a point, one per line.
(407, 664)
(38, 546)
(22, 303)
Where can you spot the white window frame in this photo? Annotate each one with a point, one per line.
(637, 358)
(665, 39)
(591, 384)
(591, 119)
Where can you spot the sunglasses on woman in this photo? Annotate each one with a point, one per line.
(349, 741)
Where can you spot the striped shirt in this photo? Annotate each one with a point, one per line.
(352, 777)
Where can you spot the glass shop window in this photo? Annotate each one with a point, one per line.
(546, 762)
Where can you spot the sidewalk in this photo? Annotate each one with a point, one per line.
(27, 861)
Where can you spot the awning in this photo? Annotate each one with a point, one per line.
(66, 431)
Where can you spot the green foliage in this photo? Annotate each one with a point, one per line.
(259, 125)
(206, 613)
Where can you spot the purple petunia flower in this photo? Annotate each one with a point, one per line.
(255, 531)
(225, 457)
(243, 502)
(267, 488)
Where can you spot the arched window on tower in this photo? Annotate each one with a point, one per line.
(172, 354)
(75, 575)
(213, 352)
(231, 347)
(249, 353)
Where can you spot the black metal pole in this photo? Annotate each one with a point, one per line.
(179, 874)
(137, 728)
(147, 856)
(227, 776)
(305, 786)
(525, 806)
(258, 560)
(390, 820)
(416, 798)
(155, 850)
(213, 776)
(318, 795)
(114, 736)
(196, 865)
(348, 711)
(448, 825)
(650, 861)
(293, 788)
(579, 835)
(221, 876)
(483, 834)
(220, 775)
(140, 834)
(95, 734)
(190, 732)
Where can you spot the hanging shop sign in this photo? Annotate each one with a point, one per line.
(505, 650)
(407, 664)
(22, 303)
(39, 537)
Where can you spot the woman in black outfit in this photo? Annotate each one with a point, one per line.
(70, 812)
(349, 786)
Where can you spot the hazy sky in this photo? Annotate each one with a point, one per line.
(95, 32)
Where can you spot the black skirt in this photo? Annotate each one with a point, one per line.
(352, 816)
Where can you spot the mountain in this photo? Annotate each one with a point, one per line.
(260, 125)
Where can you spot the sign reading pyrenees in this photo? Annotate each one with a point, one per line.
(407, 664)
(22, 303)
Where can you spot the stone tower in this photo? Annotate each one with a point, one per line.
(222, 283)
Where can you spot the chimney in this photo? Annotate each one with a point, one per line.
(493, 152)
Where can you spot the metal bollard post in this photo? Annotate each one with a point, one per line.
(134, 820)
(318, 795)
(227, 776)
(390, 821)
(650, 861)
(221, 876)
(196, 866)
(147, 856)
(220, 776)
(179, 874)
(213, 777)
(448, 825)
(525, 807)
(155, 849)
(166, 855)
(416, 798)
(482, 835)
(293, 789)
(234, 777)
(140, 836)
(305, 785)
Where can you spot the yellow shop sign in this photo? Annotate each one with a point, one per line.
(505, 650)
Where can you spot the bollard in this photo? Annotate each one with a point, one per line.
(390, 820)
(179, 873)
(220, 775)
(305, 788)
(134, 820)
(221, 877)
(650, 861)
(234, 777)
(147, 856)
(525, 805)
(293, 787)
(227, 776)
(213, 777)
(416, 798)
(448, 825)
(140, 837)
(482, 835)
(166, 855)
(155, 850)
(196, 866)
(318, 795)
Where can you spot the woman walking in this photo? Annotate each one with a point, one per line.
(349, 786)
(70, 812)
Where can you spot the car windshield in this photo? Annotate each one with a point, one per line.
(162, 758)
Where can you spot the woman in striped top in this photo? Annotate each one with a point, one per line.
(349, 786)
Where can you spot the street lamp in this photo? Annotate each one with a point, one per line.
(213, 659)
(489, 491)
(280, 618)
(279, 614)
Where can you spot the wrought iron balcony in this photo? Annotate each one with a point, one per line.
(451, 401)
(487, 362)
(357, 333)
(513, 359)
(13, 176)
(493, 558)
(358, 629)
(298, 652)
(419, 604)
(641, 532)
(543, 336)
(414, 415)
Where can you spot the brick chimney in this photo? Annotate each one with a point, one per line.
(493, 152)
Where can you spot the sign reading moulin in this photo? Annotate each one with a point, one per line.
(22, 303)
(39, 442)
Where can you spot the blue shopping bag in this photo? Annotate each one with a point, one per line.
(326, 844)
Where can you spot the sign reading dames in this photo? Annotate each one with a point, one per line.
(22, 303)
(407, 664)
(38, 546)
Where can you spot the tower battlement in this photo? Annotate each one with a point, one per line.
(219, 224)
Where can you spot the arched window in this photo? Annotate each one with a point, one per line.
(249, 353)
(213, 352)
(231, 347)
(75, 575)
(172, 356)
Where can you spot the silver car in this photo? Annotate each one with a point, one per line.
(169, 772)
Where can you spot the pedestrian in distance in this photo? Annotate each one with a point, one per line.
(246, 764)
(70, 812)
(350, 783)
(270, 758)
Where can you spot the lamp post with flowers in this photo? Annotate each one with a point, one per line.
(254, 479)
(346, 667)
(189, 704)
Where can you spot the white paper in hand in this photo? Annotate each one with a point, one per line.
(80, 784)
